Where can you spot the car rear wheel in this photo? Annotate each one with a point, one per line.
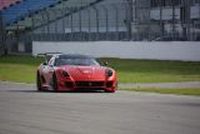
(55, 84)
(38, 80)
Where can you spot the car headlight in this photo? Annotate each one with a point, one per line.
(65, 74)
(109, 72)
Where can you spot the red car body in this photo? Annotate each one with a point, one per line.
(70, 77)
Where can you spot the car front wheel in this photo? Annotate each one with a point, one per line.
(38, 80)
(55, 84)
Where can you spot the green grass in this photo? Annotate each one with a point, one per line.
(155, 71)
(23, 69)
(17, 73)
(22, 60)
(19, 68)
(182, 91)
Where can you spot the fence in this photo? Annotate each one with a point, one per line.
(125, 20)
(109, 20)
(102, 21)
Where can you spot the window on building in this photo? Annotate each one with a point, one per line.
(196, 1)
(157, 3)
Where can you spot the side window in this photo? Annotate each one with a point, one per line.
(51, 62)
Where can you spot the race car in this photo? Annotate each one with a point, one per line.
(74, 72)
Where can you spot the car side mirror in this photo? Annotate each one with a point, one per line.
(105, 63)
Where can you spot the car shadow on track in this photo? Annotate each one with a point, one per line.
(69, 92)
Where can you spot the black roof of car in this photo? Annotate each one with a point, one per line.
(71, 56)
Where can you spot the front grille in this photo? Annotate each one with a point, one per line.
(89, 83)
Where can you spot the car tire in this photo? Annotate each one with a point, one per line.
(55, 84)
(38, 80)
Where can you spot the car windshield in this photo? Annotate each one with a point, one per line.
(76, 61)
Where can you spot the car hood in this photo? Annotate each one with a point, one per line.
(83, 73)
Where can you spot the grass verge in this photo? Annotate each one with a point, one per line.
(182, 91)
(148, 71)
(19, 68)
(23, 69)
(18, 73)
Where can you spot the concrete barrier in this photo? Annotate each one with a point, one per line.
(184, 51)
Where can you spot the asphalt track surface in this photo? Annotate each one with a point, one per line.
(23, 110)
(176, 85)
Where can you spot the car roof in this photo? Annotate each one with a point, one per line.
(72, 56)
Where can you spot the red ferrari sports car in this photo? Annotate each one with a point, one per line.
(71, 72)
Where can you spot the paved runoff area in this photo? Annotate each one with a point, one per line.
(23, 110)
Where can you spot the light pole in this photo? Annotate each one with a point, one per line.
(173, 19)
(2, 36)
(130, 17)
(106, 21)
(185, 18)
(161, 17)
